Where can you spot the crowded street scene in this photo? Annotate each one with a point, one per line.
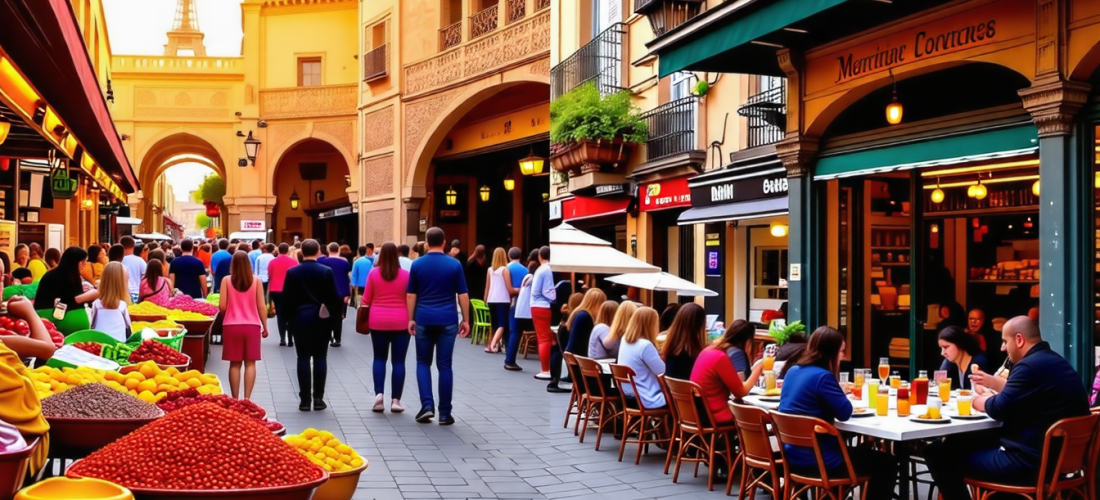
(540, 249)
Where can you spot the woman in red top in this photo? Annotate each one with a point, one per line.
(715, 374)
(276, 275)
(385, 298)
(242, 303)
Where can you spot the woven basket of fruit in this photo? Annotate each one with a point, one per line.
(196, 327)
(147, 318)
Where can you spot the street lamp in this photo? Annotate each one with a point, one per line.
(251, 146)
(509, 183)
(451, 196)
(531, 165)
(484, 191)
(294, 200)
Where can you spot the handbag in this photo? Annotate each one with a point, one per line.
(362, 320)
(322, 312)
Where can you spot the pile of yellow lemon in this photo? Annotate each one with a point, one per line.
(177, 315)
(164, 324)
(147, 382)
(147, 309)
(322, 448)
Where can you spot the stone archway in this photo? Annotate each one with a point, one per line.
(286, 178)
(168, 149)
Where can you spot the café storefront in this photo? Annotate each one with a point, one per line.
(937, 152)
(671, 246)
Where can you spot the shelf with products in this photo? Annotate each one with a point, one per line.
(1006, 282)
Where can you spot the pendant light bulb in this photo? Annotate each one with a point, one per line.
(980, 191)
(1035, 186)
(937, 195)
(894, 110)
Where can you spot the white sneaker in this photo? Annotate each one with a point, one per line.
(379, 404)
(395, 406)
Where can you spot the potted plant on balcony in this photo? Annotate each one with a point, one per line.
(589, 131)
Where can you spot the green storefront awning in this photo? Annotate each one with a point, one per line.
(1002, 142)
(775, 16)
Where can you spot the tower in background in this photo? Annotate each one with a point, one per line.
(185, 36)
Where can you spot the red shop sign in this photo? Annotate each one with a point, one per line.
(672, 193)
(585, 207)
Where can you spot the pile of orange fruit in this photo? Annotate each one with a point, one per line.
(146, 381)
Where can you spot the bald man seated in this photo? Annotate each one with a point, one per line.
(1041, 389)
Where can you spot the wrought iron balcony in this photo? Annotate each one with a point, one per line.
(484, 22)
(374, 64)
(767, 115)
(450, 36)
(664, 15)
(517, 9)
(672, 128)
(599, 61)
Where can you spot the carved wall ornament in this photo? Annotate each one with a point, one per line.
(219, 99)
(343, 131)
(412, 203)
(797, 153)
(378, 173)
(540, 67)
(152, 102)
(419, 116)
(303, 102)
(1053, 105)
(182, 99)
(279, 134)
(378, 127)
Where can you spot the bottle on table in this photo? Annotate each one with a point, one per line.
(920, 387)
(903, 400)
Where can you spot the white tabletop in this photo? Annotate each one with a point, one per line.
(897, 428)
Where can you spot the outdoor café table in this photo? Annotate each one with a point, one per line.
(900, 430)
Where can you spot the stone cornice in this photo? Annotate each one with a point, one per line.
(1053, 105)
(797, 152)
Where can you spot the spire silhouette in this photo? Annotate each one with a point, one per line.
(185, 34)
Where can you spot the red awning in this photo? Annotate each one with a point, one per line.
(171, 222)
(584, 207)
(44, 41)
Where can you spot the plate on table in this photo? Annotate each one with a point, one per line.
(971, 416)
(941, 420)
(863, 412)
(769, 399)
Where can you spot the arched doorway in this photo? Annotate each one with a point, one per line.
(167, 205)
(310, 187)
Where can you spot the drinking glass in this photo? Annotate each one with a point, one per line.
(895, 380)
(964, 403)
(934, 408)
(769, 380)
(769, 356)
(884, 369)
(857, 384)
(882, 402)
(945, 390)
(872, 391)
(903, 400)
(920, 388)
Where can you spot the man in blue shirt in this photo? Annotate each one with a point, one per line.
(361, 269)
(216, 259)
(518, 271)
(435, 281)
(254, 254)
(1041, 389)
(339, 266)
(188, 273)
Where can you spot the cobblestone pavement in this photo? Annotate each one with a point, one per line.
(508, 441)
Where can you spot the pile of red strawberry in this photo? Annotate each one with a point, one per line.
(90, 347)
(157, 352)
(178, 399)
(12, 326)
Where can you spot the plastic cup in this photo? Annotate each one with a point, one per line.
(964, 403)
(882, 403)
(945, 390)
(934, 409)
(872, 390)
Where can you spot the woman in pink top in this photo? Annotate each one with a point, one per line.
(276, 276)
(384, 298)
(242, 304)
(155, 287)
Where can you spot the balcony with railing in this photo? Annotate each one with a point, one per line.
(374, 64)
(450, 36)
(599, 61)
(673, 141)
(665, 15)
(767, 116)
(517, 9)
(484, 22)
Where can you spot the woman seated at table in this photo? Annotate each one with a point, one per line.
(604, 316)
(811, 389)
(638, 352)
(608, 344)
(960, 353)
(734, 342)
(686, 339)
(717, 377)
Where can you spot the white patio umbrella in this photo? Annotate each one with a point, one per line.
(153, 236)
(575, 251)
(662, 282)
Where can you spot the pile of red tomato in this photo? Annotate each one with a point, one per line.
(12, 326)
(157, 352)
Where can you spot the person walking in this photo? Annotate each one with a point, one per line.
(360, 270)
(543, 294)
(311, 300)
(406, 262)
(434, 282)
(341, 271)
(276, 277)
(245, 323)
(476, 272)
(263, 265)
(135, 266)
(518, 274)
(498, 295)
(257, 250)
(384, 298)
(217, 258)
(188, 272)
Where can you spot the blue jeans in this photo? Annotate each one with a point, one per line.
(437, 342)
(513, 337)
(382, 340)
(962, 456)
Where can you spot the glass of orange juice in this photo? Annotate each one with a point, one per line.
(934, 409)
(903, 400)
(895, 380)
(769, 356)
(964, 402)
(882, 402)
(884, 369)
(945, 390)
(769, 380)
(857, 384)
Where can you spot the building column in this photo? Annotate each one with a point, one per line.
(412, 220)
(806, 238)
(1065, 229)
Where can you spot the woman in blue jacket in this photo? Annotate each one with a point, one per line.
(811, 389)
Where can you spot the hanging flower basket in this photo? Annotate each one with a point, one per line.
(212, 209)
(590, 156)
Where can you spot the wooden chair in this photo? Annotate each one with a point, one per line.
(637, 418)
(797, 430)
(674, 428)
(578, 399)
(697, 434)
(1068, 466)
(528, 342)
(601, 399)
(762, 464)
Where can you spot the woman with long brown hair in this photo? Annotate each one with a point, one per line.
(476, 268)
(242, 304)
(686, 339)
(155, 287)
(734, 342)
(384, 297)
(811, 389)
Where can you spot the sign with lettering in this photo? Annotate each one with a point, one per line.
(253, 225)
(975, 27)
(610, 189)
(672, 193)
(731, 191)
(61, 185)
(555, 209)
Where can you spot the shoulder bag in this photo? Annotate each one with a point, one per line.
(362, 320)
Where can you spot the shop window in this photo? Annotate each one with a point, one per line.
(680, 84)
(309, 71)
(770, 273)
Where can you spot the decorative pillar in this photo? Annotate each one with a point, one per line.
(805, 238)
(412, 220)
(1065, 229)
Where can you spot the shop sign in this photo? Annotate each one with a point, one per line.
(555, 210)
(338, 212)
(739, 190)
(981, 25)
(796, 272)
(253, 225)
(585, 207)
(62, 186)
(673, 193)
(610, 189)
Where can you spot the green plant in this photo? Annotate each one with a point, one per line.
(583, 115)
(202, 221)
(701, 88)
(782, 334)
(212, 188)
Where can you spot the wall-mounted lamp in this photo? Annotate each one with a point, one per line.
(295, 200)
(634, 245)
(451, 196)
(484, 193)
(935, 228)
(319, 195)
(347, 180)
(251, 147)
(778, 230)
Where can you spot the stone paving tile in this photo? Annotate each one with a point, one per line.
(508, 441)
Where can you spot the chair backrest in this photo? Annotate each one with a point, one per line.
(590, 374)
(668, 400)
(752, 429)
(687, 397)
(574, 371)
(799, 430)
(1067, 449)
(624, 377)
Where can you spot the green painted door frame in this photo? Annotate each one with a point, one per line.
(807, 239)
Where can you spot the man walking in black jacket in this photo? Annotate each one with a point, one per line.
(310, 301)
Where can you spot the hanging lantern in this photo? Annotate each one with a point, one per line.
(894, 110)
(509, 183)
(980, 191)
(295, 200)
(484, 193)
(1035, 186)
(531, 165)
(937, 195)
(451, 196)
